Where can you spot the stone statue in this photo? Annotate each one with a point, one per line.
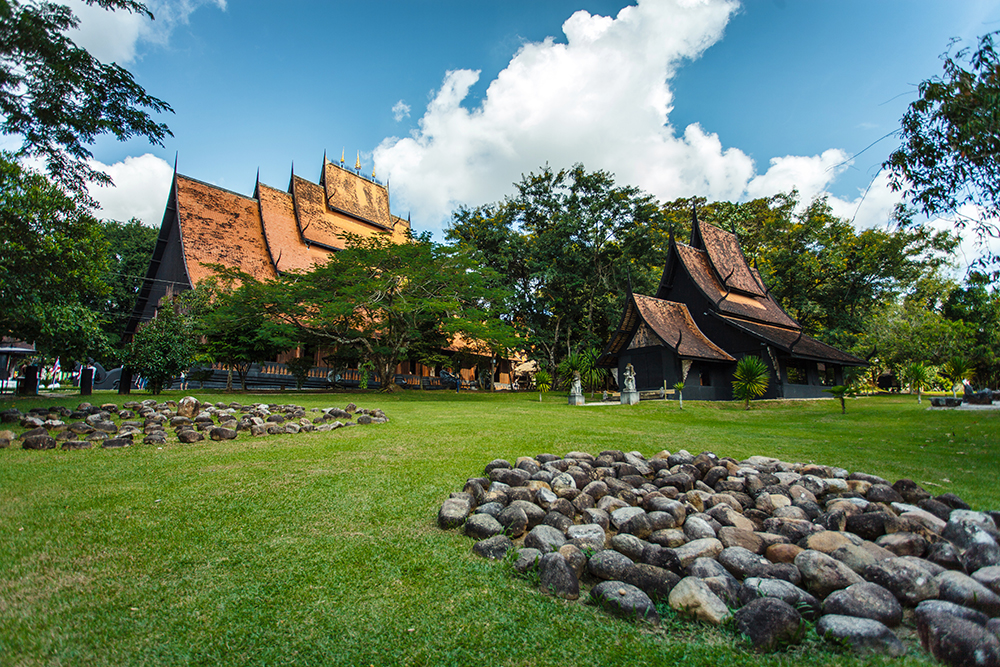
(629, 378)
(629, 395)
(576, 390)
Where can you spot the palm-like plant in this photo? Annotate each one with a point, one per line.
(750, 379)
(543, 381)
(956, 369)
(919, 377)
(679, 388)
(841, 392)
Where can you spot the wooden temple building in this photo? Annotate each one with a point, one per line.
(271, 232)
(711, 309)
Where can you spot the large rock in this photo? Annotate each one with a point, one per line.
(39, 442)
(708, 547)
(693, 597)
(824, 574)
(656, 582)
(623, 599)
(494, 548)
(544, 538)
(742, 563)
(454, 511)
(513, 520)
(482, 526)
(527, 560)
(755, 587)
(188, 407)
(862, 635)
(909, 583)
(989, 577)
(557, 578)
(956, 641)
(966, 591)
(769, 623)
(865, 600)
(609, 565)
(945, 607)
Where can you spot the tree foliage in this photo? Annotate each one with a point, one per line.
(567, 243)
(52, 265)
(57, 98)
(391, 300)
(129, 248)
(229, 321)
(164, 346)
(950, 152)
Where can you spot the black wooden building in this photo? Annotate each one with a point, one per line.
(711, 309)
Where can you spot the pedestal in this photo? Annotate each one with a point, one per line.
(576, 399)
(630, 397)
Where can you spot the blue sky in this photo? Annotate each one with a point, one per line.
(453, 101)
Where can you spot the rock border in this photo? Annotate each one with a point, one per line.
(190, 419)
(781, 543)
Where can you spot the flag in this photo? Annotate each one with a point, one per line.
(55, 369)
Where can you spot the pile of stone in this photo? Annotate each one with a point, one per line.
(779, 542)
(189, 420)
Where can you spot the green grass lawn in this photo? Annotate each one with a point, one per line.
(322, 548)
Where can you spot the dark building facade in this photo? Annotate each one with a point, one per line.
(710, 310)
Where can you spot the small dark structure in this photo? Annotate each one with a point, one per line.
(711, 309)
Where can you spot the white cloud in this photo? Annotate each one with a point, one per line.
(142, 185)
(400, 110)
(601, 98)
(114, 36)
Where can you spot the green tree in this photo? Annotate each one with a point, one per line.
(228, 318)
(950, 142)
(388, 299)
(543, 381)
(976, 304)
(567, 243)
(52, 265)
(57, 98)
(130, 246)
(164, 346)
(750, 379)
(956, 369)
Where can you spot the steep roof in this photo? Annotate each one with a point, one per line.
(220, 227)
(351, 194)
(671, 324)
(287, 249)
(795, 343)
(759, 308)
(727, 260)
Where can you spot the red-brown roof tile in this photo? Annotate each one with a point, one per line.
(288, 250)
(728, 260)
(795, 343)
(672, 322)
(356, 196)
(760, 308)
(220, 227)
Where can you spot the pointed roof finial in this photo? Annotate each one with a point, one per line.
(357, 163)
(373, 172)
(341, 157)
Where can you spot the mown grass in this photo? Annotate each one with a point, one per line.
(322, 548)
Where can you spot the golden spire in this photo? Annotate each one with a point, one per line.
(373, 172)
(357, 163)
(341, 157)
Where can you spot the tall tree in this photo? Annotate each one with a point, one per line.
(950, 152)
(52, 265)
(233, 331)
(57, 98)
(391, 300)
(165, 346)
(130, 245)
(568, 242)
